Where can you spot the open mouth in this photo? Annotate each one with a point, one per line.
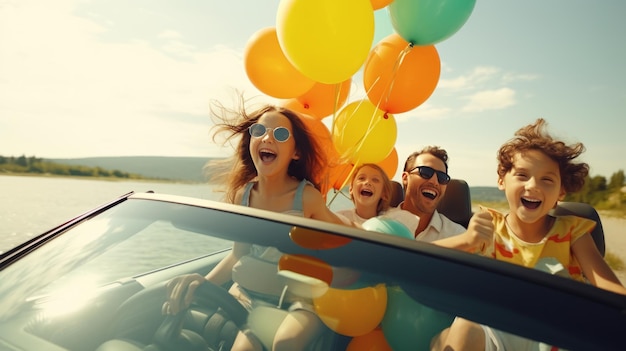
(531, 204)
(366, 192)
(267, 156)
(429, 194)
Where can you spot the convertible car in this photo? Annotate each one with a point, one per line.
(98, 282)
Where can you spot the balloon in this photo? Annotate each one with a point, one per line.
(388, 226)
(352, 312)
(379, 4)
(398, 77)
(322, 99)
(363, 133)
(322, 137)
(390, 163)
(268, 68)
(307, 265)
(326, 40)
(305, 276)
(315, 239)
(427, 22)
(338, 175)
(372, 341)
(409, 325)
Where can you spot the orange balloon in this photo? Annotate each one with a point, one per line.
(390, 163)
(324, 99)
(372, 341)
(339, 174)
(333, 171)
(308, 265)
(352, 312)
(364, 134)
(315, 239)
(322, 137)
(379, 4)
(398, 77)
(269, 70)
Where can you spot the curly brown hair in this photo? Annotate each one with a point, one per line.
(239, 169)
(535, 137)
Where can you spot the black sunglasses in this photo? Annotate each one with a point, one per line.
(281, 134)
(427, 172)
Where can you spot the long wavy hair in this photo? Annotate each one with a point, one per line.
(239, 169)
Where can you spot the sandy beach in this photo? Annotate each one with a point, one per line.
(615, 240)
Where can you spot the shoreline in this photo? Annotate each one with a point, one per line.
(106, 179)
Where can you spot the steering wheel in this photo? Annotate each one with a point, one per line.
(171, 336)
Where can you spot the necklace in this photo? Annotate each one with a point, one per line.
(548, 224)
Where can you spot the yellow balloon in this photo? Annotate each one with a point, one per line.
(327, 40)
(363, 133)
(352, 312)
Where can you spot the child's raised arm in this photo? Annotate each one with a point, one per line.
(594, 267)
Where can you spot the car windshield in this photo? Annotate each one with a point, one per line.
(104, 278)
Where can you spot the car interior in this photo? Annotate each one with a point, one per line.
(128, 311)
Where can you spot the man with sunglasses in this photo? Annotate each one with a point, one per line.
(425, 180)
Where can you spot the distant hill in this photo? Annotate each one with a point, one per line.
(172, 168)
(487, 194)
(190, 169)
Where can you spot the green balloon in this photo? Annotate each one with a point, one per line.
(427, 22)
(387, 226)
(409, 325)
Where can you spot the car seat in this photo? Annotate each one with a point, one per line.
(456, 204)
(584, 210)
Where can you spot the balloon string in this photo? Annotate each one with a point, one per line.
(396, 67)
(353, 167)
(370, 89)
(373, 122)
(335, 105)
(343, 186)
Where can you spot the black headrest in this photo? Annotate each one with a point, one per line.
(397, 194)
(586, 211)
(456, 203)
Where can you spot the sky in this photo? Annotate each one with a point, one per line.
(88, 78)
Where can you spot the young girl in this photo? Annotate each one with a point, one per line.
(275, 158)
(370, 190)
(536, 171)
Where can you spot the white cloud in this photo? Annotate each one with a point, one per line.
(517, 77)
(490, 100)
(425, 111)
(58, 78)
(477, 77)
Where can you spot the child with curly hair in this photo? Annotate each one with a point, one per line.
(536, 171)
